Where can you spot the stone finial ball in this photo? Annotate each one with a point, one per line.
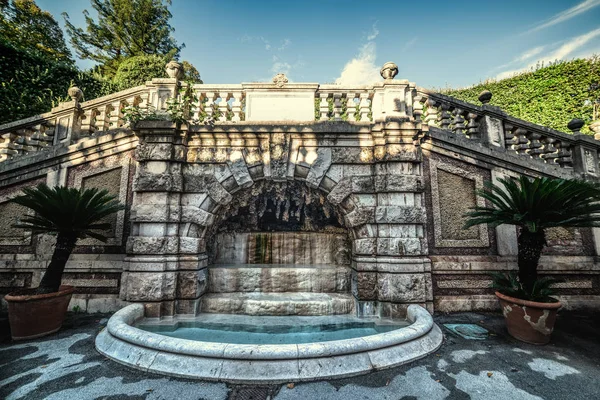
(485, 97)
(174, 70)
(75, 93)
(389, 70)
(575, 124)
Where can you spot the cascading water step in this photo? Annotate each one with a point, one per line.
(277, 278)
(278, 303)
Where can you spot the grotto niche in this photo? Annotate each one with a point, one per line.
(279, 223)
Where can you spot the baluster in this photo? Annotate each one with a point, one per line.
(40, 135)
(550, 152)
(337, 106)
(363, 107)
(115, 114)
(535, 146)
(458, 122)
(223, 106)
(473, 126)
(236, 106)
(444, 116)
(564, 159)
(351, 108)
(208, 105)
(509, 138)
(87, 122)
(7, 146)
(431, 116)
(323, 107)
(522, 144)
(24, 142)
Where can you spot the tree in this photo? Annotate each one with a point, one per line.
(25, 26)
(69, 213)
(535, 205)
(124, 28)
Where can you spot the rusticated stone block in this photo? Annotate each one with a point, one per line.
(154, 151)
(196, 215)
(206, 184)
(399, 288)
(364, 246)
(400, 183)
(319, 167)
(400, 214)
(191, 245)
(360, 216)
(150, 213)
(191, 284)
(153, 245)
(366, 285)
(150, 286)
(149, 182)
(342, 190)
(239, 169)
(399, 246)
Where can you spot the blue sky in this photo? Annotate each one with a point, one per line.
(435, 43)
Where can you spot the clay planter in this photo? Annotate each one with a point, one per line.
(34, 315)
(528, 321)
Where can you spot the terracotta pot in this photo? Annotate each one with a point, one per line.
(528, 321)
(34, 315)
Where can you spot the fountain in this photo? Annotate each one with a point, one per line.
(279, 304)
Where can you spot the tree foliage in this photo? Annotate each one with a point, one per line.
(137, 70)
(124, 28)
(26, 26)
(550, 96)
(31, 83)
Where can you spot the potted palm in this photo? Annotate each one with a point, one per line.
(533, 205)
(70, 214)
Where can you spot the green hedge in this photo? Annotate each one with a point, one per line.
(549, 96)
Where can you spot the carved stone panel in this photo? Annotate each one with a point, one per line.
(453, 192)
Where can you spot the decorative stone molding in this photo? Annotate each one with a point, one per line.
(117, 239)
(482, 239)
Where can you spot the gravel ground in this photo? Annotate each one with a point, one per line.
(66, 366)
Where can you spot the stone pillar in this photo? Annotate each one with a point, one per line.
(398, 271)
(165, 269)
(584, 152)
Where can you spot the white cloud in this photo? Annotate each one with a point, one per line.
(569, 47)
(409, 44)
(374, 32)
(249, 39)
(362, 69)
(284, 45)
(529, 53)
(566, 15)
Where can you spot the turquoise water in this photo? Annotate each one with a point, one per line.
(269, 334)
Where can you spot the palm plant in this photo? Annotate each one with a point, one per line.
(535, 205)
(70, 214)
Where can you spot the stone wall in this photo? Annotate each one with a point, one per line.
(376, 183)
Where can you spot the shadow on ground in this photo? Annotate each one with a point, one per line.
(66, 366)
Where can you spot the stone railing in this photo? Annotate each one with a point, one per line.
(492, 127)
(301, 103)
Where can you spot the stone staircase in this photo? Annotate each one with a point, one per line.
(278, 289)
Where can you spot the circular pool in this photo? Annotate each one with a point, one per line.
(290, 352)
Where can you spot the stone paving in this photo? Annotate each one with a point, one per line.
(66, 366)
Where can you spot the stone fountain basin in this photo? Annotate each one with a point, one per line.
(265, 363)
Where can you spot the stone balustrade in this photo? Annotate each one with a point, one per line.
(490, 126)
(283, 101)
